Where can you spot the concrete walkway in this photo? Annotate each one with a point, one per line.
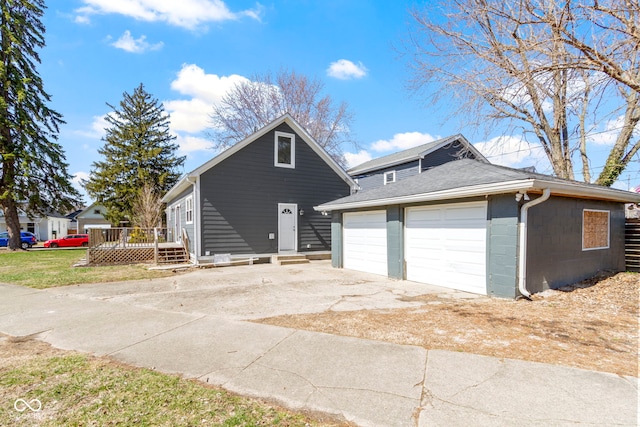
(370, 383)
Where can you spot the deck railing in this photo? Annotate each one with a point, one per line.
(124, 244)
(126, 237)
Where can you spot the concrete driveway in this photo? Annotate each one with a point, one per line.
(264, 290)
(194, 324)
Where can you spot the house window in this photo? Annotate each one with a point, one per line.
(389, 177)
(96, 211)
(285, 150)
(188, 210)
(595, 229)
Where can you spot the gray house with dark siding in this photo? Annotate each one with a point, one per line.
(482, 228)
(404, 164)
(257, 197)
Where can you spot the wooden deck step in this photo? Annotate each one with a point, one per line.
(172, 256)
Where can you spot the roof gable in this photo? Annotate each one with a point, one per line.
(414, 153)
(188, 179)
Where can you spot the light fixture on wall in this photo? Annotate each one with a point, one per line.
(520, 196)
(301, 212)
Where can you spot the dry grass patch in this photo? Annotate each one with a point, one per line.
(591, 325)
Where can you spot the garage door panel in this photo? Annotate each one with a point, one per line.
(445, 245)
(365, 241)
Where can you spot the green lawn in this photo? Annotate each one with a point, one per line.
(79, 390)
(49, 268)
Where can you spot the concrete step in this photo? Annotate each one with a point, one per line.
(289, 259)
(293, 261)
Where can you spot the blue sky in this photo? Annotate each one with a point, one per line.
(187, 53)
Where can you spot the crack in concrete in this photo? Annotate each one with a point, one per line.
(260, 356)
(156, 335)
(516, 419)
(478, 384)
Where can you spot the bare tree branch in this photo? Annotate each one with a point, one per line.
(535, 63)
(252, 104)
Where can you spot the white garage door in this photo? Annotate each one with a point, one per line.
(445, 245)
(365, 241)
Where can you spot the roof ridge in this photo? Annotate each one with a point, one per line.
(417, 148)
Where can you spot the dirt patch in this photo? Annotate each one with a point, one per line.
(591, 325)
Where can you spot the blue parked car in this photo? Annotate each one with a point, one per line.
(28, 239)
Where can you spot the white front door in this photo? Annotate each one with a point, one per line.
(287, 227)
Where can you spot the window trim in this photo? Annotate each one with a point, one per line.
(608, 229)
(291, 136)
(188, 210)
(384, 177)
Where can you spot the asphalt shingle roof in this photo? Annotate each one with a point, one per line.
(453, 175)
(401, 156)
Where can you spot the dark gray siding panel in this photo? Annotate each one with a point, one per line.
(240, 196)
(554, 254)
(502, 246)
(180, 200)
(376, 179)
(395, 242)
(336, 239)
(445, 154)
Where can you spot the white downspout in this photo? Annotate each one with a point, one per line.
(522, 229)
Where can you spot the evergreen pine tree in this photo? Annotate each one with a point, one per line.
(138, 150)
(33, 168)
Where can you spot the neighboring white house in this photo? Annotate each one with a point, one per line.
(92, 217)
(46, 227)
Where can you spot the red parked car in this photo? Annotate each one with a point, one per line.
(72, 240)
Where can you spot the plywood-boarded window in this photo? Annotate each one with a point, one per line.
(595, 229)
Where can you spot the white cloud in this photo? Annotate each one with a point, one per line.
(190, 115)
(204, 90)
(193, 81)
(344, 69)
(96, 129)
(403, 141)
(511, 151)
(608, 135)
(189, 144)
(79, 176)
(128, 43)
(355, 159)
(190, 14)
(83, 20)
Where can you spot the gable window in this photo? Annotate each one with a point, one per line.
(595, 229)
(285, 150)
(188, 210)
(389, 177)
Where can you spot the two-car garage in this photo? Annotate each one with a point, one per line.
(443, 245)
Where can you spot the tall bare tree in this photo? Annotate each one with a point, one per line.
(537, 64)
(254, 103)
(147, 207)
